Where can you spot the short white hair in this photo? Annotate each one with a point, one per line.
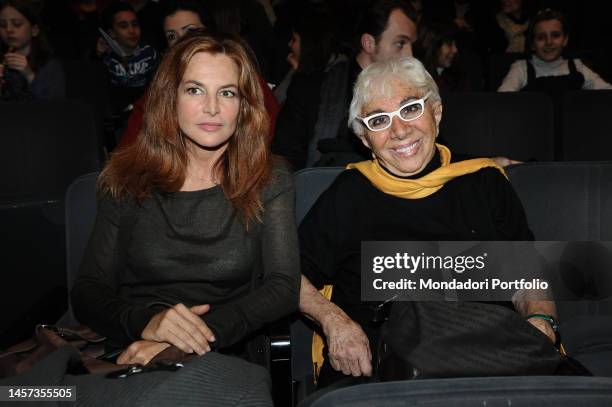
(377, 78)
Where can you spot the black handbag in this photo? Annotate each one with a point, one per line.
(464, 339)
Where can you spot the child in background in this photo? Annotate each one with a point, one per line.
(547, 71)
(27, 67)
(130, 72)
(437, 48)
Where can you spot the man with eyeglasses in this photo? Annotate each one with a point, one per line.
(410, 190)
(311, 126)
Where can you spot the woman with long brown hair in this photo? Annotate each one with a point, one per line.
(194, 243)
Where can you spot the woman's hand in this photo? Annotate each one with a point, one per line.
(19, 63)
(543, 326)
(141, 352)
(504, 161)
(348, 346)
(182, 327)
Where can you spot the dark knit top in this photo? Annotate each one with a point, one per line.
(190, 248)
(479, 206)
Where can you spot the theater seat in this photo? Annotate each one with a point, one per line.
(517, 125)
(586, 126)
(529, 391)
(80, 210)
(45, 145)
(572, 201)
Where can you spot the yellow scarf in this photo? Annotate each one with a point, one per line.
(407, 189)
(426, 185)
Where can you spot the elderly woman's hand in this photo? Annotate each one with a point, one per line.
(141, 352)
(544, 327)
(182, 327)
(348, 345)
(504, 161)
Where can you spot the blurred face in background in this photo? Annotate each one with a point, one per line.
(549, 39)
(180, 23)
(396, 41)
(16, 31)
(295, 46)
(511, 6)
(446, 54)
(126, 30)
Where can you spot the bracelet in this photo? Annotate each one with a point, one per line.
(553, 325)
(545, 317)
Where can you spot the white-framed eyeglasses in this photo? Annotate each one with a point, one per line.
(407, 112)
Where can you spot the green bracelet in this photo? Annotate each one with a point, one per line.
(553, 325)
(545, 317)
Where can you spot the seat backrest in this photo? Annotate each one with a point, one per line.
(81, 207)
(309, 185)
(520, 391)
(516, 125)
(566, 200)
(586, 132)
(45, 145)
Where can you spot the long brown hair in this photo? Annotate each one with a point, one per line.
(40, 51)
(158, 160)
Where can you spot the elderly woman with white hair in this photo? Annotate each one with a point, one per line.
(412, 189)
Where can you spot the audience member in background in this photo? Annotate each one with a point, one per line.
(179, 18)
(27, 67)
(129, 73)
(149, 14)
(437, 49)
(471, 18)
(311, 127)
(195, 242)
(513, 21)
(311, 47)
(547, 70)
(248, 20)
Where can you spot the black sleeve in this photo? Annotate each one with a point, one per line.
(296, 120)
(319, 240)
(49, 82)
(506, 207)
(278, 293)
(94, 297)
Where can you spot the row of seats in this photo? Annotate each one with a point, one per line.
(526, 126)
(585, 213)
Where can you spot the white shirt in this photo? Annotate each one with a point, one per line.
(516, 79)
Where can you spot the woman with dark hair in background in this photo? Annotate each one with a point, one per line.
(437, 48)
(195, 241)
(311, 47)
(27, 67)
(248, 20)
